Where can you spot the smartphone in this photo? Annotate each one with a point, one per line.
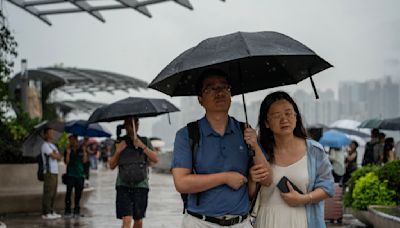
(284, 188)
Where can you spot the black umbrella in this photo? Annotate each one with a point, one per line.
(132, 106)
(390, 124)
(253, 61)
(31, 146)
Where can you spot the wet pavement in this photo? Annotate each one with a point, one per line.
(164, 208)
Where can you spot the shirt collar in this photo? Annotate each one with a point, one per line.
(206, 129)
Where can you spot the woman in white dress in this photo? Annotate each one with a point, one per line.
(301, 160)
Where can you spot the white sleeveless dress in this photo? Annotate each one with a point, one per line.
(273, 211)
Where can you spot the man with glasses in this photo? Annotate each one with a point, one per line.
(218, 193)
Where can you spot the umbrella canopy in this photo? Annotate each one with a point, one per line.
(86, 129)
(253, 61)
(357, 132)
(370, 123)
(32, 145)
(333, 138)
(390, 124)
(132, 106)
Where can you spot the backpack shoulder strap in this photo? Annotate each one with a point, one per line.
(194, 139)
(194, 142)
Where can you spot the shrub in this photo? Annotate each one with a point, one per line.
(391, 172)
(369, 190)
(360, 172)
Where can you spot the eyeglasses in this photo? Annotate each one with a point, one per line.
(217, 89)
(278, 116)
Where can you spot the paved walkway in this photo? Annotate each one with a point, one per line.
(164, 210)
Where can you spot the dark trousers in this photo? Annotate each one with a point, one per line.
(49, 192)
(77, 184)
(86, 169)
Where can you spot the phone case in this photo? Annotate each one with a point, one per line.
(283, 186)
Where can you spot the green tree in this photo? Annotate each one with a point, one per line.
(8, 52)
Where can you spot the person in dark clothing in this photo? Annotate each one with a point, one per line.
(369, 148)
(75, 157)
(350, 161)
(132, 194)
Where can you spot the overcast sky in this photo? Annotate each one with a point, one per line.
(356, 36)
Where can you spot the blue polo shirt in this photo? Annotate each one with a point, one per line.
(216, 154)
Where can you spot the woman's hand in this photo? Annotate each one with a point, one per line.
(259, 173)
(293, 198)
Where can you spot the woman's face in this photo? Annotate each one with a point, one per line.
(281, 118)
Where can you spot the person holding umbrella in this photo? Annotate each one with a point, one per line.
(50, 156)
(75, 157)
(218, 193)
(132, 155)
(303, 161)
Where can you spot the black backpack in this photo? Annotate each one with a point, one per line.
(132, 164)
(40, 174)
(194, 139)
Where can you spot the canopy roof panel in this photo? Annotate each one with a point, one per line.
(76, 6)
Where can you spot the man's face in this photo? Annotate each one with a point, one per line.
(49, 135)
(215, 94)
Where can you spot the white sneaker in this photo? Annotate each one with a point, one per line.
(55, 215)
(48, 216)
(2, 225)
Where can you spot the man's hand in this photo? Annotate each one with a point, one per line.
(138, 143)
(250, 137)
(120, 146)
(235, 180)
(259, 173)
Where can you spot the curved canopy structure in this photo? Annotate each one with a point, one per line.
(43, 81)
(75, 80)
(78, 105)
(35, 8)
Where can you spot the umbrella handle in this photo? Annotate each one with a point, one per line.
(313, 85)
(134, 131)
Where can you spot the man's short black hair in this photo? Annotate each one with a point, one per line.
(355, 143)
(206, 74)
(375, 132)
(46, 129)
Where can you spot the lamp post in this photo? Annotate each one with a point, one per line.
(24, 85)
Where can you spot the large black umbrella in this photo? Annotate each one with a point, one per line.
(32, 145)
(253, 61)
(132, 106)
(390, 124)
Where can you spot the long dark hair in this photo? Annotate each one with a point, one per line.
(388, 146)
(265, 136)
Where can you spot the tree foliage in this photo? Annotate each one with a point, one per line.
(8, 52)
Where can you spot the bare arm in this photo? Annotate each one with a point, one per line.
(67, 155)
(113, 162)
(186, 182)
(153, 157)
(85, 155)
(264, 171)
(55, 155)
